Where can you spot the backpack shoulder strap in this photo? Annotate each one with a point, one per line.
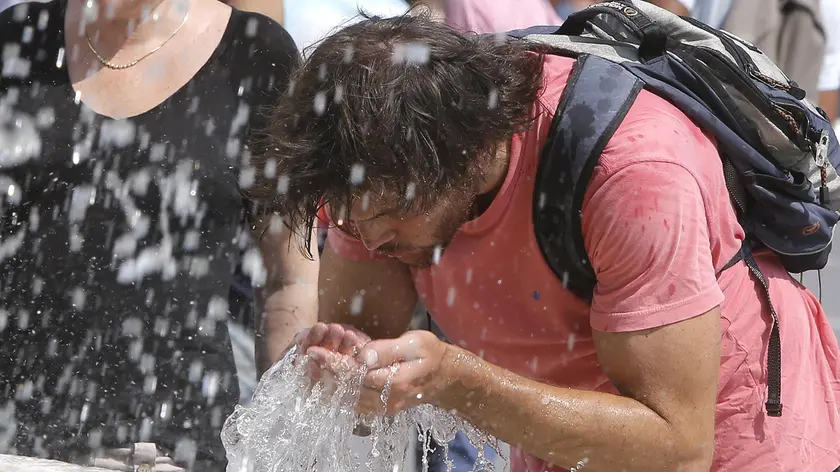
(597, 97)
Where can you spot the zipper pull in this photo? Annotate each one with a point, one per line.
(821, 149)
(820, 156)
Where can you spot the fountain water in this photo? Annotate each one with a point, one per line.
(294, 426)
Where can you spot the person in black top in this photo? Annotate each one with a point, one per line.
(124, 130)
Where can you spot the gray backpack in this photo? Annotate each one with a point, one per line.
(779, 152)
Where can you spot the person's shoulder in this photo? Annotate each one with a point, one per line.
(260, 51)
(259, 38)
(655, 130)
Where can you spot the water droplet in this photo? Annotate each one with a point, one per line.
(4, 319)
(251, 28)
(165, 411)
(283, 185)
(493, 98)
(450, 296)
(59, 59)
(132, 327)
(270, 169)
(357, 174)
(320, 103)
(210, 385)
(411, 53)
(146, 429)
(356, 304)
(150, 384)
(436, 254)
(22, 319)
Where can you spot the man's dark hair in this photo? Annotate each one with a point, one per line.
(401, 105)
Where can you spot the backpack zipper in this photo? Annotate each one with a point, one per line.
(820, 158)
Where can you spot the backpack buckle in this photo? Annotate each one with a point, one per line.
(821, 149)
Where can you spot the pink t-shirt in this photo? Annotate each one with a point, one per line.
(658, 224)
(492, 16)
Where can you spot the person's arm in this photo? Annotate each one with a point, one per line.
(374, 295)
(674, 6)
(829, 100)
(655, 315)
(829, 83)
(270, 8)
(664, 419)
(288, 301)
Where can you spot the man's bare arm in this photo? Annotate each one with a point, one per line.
(377, 297)
(664, 419)
(288, 302)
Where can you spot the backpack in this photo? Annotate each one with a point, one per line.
(780, 155)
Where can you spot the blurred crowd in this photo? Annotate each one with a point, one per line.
(794, 35)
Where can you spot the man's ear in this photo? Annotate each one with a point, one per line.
(490, 171)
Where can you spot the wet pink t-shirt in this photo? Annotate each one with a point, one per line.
(492, 16)
(658, 225)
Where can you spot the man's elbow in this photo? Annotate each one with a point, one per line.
(694, 455)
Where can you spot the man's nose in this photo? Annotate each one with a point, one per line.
(374, 236)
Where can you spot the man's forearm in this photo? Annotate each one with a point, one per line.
(564, 426)
(283, 314)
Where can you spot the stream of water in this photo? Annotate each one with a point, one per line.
(294, 426)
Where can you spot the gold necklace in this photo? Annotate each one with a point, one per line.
(111, 65)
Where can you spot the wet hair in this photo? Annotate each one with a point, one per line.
(399, 106)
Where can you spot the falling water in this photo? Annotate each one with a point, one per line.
(293, 426)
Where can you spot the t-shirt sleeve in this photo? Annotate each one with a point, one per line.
(647, 236)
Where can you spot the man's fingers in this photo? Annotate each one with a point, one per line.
(331, 360)
(370, 402)
(321, 356)
(384, 352)
(349, 344)
(357, 332)
(314, 337)
(352, 342)
(333, 338)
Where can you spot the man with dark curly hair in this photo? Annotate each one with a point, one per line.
(422, 147)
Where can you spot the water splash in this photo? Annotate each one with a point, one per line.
(293, 426)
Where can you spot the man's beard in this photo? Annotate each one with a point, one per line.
(428, 256)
